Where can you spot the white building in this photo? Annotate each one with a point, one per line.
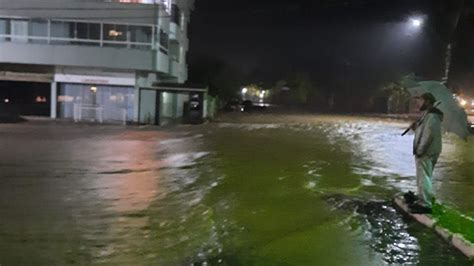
(103, 59)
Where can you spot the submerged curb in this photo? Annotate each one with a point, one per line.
(456, 240)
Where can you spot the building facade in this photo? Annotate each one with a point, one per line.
(103, 60)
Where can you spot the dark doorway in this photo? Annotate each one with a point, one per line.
(25, 98)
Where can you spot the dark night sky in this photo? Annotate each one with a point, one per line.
(365, 41)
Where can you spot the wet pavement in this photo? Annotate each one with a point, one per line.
(253, 190)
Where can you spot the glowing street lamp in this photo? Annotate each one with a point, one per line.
(244, 91)
(416, 22)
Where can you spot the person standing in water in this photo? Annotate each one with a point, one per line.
(427, 146)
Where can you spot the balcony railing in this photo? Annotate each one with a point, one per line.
(80, 32)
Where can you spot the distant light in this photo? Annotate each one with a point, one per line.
(40, 99)
(463, 102)
(114, 33)
(94, 89)
(244, 90)
(7, 100)
(416, 22)
(472, 103)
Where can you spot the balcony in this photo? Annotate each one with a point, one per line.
(174, 68)
(79, 43)
(175, 32)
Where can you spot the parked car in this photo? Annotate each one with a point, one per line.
(233, 106)
(470, 120)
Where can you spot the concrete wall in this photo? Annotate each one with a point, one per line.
(70, 55)
(163, 63)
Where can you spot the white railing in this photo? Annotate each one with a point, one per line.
(95, 113)
(79, 114)
(48, 38)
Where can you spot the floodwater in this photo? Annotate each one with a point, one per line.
(259, 190)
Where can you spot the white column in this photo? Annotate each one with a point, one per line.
(54, 99)
(136, 104)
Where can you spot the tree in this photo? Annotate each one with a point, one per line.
(300, 88)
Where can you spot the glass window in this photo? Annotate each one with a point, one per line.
(88, 31)
(140, 34)
(38, 28)
(113, 102)
(176, 14)
(114, 32)
(4, 26)
(164, 39)
(174, 51)
(19, 30)
(60, 29)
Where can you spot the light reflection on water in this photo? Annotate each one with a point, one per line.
(226, 193)
(383, 161)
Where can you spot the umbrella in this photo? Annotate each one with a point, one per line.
(455, 118)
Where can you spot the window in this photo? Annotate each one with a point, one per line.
(114, 32)
(4, 26)
(140, 34)
(164, 39)
(38, 28)
(174, 51)
(4, 29)
(61, 29)
(19, 30)
(87, 31)
(175, 14)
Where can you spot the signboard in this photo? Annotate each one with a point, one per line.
(94, 80)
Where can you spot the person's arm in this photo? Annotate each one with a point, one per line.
(427, 135)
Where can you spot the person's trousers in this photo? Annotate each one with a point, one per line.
(424, 177)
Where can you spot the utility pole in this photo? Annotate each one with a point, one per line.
(451, 41)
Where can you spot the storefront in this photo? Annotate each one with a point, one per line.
(93, 98)
(102, 103)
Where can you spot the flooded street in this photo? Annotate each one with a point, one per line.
(254, 190)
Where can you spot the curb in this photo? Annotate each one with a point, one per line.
(456, 240)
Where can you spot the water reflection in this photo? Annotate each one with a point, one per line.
(232, 194)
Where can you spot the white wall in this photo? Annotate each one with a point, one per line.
(147, 106)
(70, 55)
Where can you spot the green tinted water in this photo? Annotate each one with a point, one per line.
(303, 191)
(301, 195)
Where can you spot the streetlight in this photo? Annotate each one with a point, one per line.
(244, 91)
(416, 22)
